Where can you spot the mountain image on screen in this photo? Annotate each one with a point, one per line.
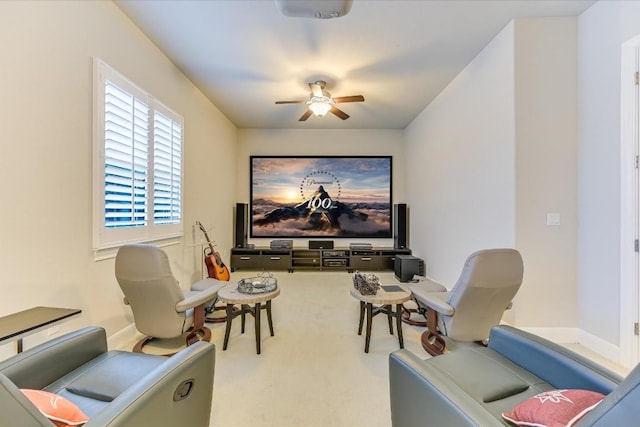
(320, 196)
(318, 213)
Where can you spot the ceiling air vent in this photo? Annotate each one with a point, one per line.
(320, 9)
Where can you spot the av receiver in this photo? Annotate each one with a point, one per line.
(281, 244)
(334, 262)
(334, 254)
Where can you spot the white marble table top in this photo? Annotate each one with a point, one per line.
(383, 297)
(230, 294)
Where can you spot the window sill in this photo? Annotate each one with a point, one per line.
(108, 253)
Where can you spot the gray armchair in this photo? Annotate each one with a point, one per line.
(475, 385)
(161, 309)
(113, 388)
(489, 280)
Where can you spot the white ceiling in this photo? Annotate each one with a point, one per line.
(244, 55)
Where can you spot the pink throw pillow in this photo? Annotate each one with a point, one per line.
(59, 410)
(554, 408)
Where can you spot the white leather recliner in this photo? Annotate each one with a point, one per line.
(488, 283)
(161, 309)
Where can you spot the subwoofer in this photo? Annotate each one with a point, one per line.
(407, 266)
(242, 224)
(400, 226)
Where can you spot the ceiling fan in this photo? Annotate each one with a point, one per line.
(320, 102)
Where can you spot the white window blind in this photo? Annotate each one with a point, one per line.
(137, 164)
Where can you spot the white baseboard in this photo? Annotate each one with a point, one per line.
(603, 348)
(124, 338)
(558, 335)
(578, 336)
(121, 340)
(7, 350)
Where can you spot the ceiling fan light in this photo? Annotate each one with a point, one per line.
(319, 106)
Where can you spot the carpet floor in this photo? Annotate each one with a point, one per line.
(314, 371)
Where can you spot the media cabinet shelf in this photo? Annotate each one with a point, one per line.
(338, 259)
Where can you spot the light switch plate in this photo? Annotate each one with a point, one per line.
(553, 219)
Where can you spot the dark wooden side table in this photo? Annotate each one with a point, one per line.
(384, 299)
(17, 325)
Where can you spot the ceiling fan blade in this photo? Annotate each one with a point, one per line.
(354, 98)
(316, 89)
(338, 112)
(290, 102)
(305, 116)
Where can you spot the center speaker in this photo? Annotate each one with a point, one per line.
(320, 244)
(400, 226)
(242, 224)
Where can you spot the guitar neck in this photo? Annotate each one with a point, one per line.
(206, 236)
(208, 241)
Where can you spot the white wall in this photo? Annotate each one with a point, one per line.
(460, 174)
(46, 156)
(546, 170)
(333, 142)
(492, 155)
(602, 30)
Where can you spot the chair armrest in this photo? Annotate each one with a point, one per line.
(16, 409)
(42, 365)
(208, 283)
(420, 393)
(435, 300)
(430, 284)
(155, 400)
(620, 407)
(555, 364)
(426, 285)
(195, 298)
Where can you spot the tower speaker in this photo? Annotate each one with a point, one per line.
(400, 226)
(242, 223)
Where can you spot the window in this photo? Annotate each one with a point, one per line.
(137, 164)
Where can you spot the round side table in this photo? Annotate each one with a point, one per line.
(384, 299)
(231, 296)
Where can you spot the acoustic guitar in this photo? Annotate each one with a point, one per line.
(216, 268)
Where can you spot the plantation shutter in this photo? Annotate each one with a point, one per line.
(126, 159)
(137, 165)
(167, 160)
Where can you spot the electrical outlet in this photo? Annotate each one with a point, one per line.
(53, 330)
(193, 234)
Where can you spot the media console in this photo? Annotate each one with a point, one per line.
(337, 259)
